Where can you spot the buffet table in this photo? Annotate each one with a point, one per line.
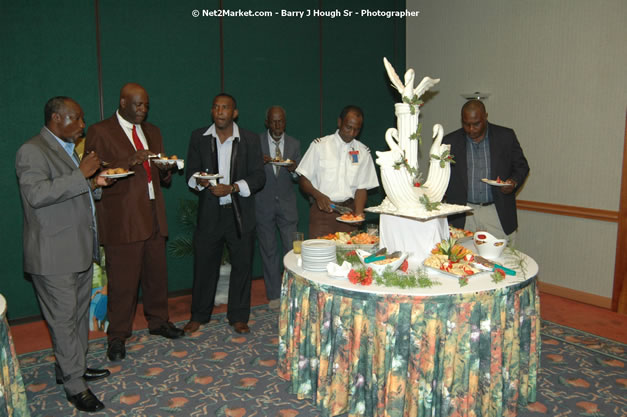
(12, 393)
(384, 351)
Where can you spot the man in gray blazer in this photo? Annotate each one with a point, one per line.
(60, 242)
(275, 204)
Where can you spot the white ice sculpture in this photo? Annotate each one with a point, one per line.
(399, 165)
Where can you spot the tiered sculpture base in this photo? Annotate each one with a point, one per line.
(416, 237)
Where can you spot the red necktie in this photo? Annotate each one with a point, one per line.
(139, 147)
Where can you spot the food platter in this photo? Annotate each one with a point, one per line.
(450, 274)
(451, 258)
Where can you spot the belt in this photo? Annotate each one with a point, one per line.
(481, 204)
(226, 206)
(349, 201)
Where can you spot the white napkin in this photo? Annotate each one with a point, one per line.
(336, 270)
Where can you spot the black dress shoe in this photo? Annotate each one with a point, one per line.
(116, 350)
(167, 330)
(86, 401)
(91, 374)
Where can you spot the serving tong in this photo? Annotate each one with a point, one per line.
(380, 255)
(341, 209)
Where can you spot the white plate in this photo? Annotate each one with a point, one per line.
(496, 184)
(339, 219)
(126, 174)
(281, 164)
(164, 161)
(201, 176)
(318, 243)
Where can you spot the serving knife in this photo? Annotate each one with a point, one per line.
(484, 263)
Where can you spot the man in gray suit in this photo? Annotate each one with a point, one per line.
(60, 242)
(275, 204)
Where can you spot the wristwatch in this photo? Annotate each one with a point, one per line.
(233, 188)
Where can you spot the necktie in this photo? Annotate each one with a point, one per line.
(139, 147)
(277, 155)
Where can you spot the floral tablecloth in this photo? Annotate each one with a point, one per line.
(372, 354)
(12, 394)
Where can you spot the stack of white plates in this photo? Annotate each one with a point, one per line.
(317, 253)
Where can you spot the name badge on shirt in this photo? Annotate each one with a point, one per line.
(354, 155)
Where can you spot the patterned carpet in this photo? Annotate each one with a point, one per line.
(216, 372)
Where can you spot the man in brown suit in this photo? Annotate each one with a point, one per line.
(132, 220)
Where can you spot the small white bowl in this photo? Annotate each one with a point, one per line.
(489, 246)
(392, 266)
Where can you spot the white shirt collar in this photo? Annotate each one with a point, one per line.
(212, 131)
(123, 122)
(341, 141)
(271, 139)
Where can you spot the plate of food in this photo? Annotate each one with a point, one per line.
(351, 241)
(461, 235)
(207, 176)
(498, 182)
(350, 218)
(116, 173)
(281, 162)
(165, 161)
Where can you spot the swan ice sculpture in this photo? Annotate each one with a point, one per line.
(399, 165)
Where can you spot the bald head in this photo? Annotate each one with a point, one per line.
(134, 103)
(475, 105)
(474, 120)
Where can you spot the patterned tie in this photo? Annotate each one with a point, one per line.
(278, 157)
(139, 147)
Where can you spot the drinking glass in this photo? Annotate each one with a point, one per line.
(298, 241)
(372, 229)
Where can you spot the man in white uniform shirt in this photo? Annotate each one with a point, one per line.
(337, 169)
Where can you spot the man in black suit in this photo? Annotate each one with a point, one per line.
(226, 211)
(483, 150)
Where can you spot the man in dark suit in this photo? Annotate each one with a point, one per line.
(60, 240)
(226, 211)
(275, 204)
(483, 150)
(132, 220)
